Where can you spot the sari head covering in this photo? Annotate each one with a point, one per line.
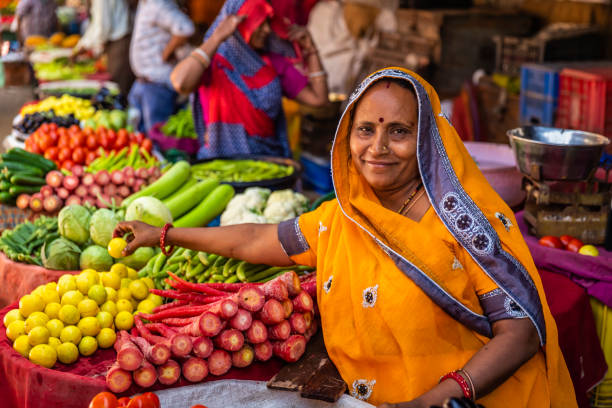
(237, 108)
(404, 302)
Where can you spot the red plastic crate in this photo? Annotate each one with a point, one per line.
(585, 100)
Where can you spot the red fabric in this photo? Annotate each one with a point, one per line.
(581, 347)
(256, 12)
(23, 384)
(17, 279)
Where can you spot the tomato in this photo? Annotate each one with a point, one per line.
(78, 155)
(104, 141)
(62, 131)
(574, 245)
(139, 137)
(44, 127)
(112, 136)
(551, 242)
(44, 142)
(104, 400)
(91, 142)
(74, 129)
(31, 146)
(147, 144)
(123, 402)
(90, 156)
(199, 406)
(54, 137)
(141, 402)
(153, 398)
(51, 153)
(565, 239)
(77, 140)
(63, 141)
(64, 154)
(53, 126)
(123, 132)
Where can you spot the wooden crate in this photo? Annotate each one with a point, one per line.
(17, 73)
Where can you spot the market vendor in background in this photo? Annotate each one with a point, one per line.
(109, 33)
(238, 81)
(36, 17)
(425, 285)
(160, 30)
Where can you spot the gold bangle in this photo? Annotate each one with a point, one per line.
(469, 380)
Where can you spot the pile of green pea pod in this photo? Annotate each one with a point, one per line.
(242, 171)
(200, 267)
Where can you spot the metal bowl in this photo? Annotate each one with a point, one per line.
(545, 153)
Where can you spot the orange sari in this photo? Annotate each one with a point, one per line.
(404, 302)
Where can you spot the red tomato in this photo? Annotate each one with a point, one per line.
(551, 242)
(51, 153)
(140, 402)
(153, 398)
(78, 155)
(31, 146)
(199, 406)
(91, 142)
(44, 142)
(574, 245)
(74, 129)
(54, 137)
(123, 132)
(62, 131)
(565, 239)
(77, 140)
(68, 164)
(147, 144)
(123, 402)
(63, 141)
(90, 156)
(64, 154)
(122, 141)
(44, 127)
(139, 137)
(112, 136)
(104, 141)
(104, 400)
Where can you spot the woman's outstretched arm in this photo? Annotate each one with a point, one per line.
(254, 243)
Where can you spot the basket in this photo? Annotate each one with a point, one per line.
(273, 184)
(602, 395)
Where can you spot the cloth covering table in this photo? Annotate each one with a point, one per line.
(18, 279)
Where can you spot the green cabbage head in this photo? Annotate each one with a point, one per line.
(73, 223)
(60, 254)
(101, 226)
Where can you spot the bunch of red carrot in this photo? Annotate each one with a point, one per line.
(210, 327)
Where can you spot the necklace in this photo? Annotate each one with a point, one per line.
(412, 194)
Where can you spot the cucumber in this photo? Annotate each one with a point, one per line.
(5, 185)
(181, 203)
(208, 209)
(37, 160)
(6, 197)
(184, 187)
(18, 167)
(27, 180)
(16, 190)
(165, 185)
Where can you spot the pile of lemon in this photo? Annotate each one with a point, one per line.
(82, 109)
(78, 314)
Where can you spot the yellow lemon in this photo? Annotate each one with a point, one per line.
(124, 320)
(38, 291)
(51, 285)
(88, 345)
(106, 338)
(88, 271)
(70, 334)
(111, 279)
(106, 319)
(156, 299)
(15, 329)
(149, 282)
(43, 355)
(54, 342)
(38, 335)
(22, 345)
(88, 307)
(116, 247)
(69, 314)
(139, 289)
(97, 293)
(120, 269)
(89, 326)
(111, 294)
(86, 280)
(65, 284)
(67, 353)
(49, 295)
(132, 273)
(125, 282)
(124, 305)
(124, 293)
(55, 327)
(36, 319)
(29, 304)
(146, 306)
(109, 307)
(11, 316)
(72, 297)
(52, 310)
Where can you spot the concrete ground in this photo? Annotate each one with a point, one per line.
(11, 100)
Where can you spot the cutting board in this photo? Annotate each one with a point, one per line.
(314, 375)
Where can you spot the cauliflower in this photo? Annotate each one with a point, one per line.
(283, 205)
(258, 205)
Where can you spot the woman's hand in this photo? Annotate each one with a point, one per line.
(228, 26)
(410, 404)
(302, 36)
(139, 235)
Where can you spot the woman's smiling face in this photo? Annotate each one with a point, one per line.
(383, 136)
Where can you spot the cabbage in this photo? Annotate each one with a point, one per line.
(101, 226)
(61, 254)
(97, 258)
(73, 223)
(138, 259)
(149, 210)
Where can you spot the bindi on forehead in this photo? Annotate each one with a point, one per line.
(381, 120)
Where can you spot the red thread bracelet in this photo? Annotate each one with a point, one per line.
(465, 387)
(162, 240)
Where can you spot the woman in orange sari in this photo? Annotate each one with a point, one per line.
(425, 285)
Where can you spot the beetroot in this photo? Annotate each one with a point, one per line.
(62, 193)
(219, 362)
(117, 177)
(102, 178)
(73, 200)
(46, 191)
(54, 178)
(51, 203)
(70, 182)
(263, 351)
